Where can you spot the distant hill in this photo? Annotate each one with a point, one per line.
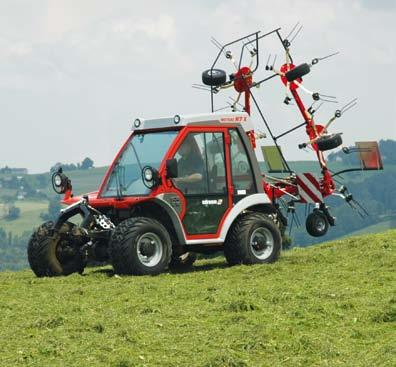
(328, 305)
(375, 190)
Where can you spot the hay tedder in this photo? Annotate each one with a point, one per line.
(190, 184)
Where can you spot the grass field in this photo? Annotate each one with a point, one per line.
(329, 305)
(29, 217)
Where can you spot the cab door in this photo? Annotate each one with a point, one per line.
(243, 180)
(202, 179)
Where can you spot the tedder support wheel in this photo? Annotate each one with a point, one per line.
(298, 72)
(214, 77)
(140, 246)
(50, 256)
(253, 239)
(317, 224)
(328, 142)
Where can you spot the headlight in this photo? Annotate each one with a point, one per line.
(60, 182)
(148, 174)
(57, 179)
(150, 177)
(176, 119)
(137, 123)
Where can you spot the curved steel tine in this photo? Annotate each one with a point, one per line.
(293, 29)
(349, 105)
(326, 57)
(299, 29)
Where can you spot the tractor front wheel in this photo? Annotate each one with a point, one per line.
(253, 239)
(53, 255)
(140, 246)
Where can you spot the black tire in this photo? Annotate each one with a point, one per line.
(317, 224)
(298, 72)
(45, 258)
(239, 247)
(183, 261)
(328, 142)
(214, 77)
(131, 247)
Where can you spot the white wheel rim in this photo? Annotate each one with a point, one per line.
(262, 243)
(149, 249)
(320, 224)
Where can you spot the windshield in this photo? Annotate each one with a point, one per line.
(142, 150)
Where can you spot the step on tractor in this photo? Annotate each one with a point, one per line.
(189, 184)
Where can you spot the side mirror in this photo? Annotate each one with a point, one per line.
(171, 168)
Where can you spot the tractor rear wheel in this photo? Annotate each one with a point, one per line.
(253, 239)
(53, 256)
(140, 246)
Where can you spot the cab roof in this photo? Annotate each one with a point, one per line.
(183, 120)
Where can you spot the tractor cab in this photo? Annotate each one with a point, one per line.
(200, 166)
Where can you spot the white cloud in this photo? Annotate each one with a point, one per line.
(161, 27)
(76, 72)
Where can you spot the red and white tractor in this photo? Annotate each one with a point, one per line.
(182, 185)
(179, 185)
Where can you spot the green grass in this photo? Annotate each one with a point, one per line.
(388, 223)
(328, 305)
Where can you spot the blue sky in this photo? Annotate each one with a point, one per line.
(75, 74)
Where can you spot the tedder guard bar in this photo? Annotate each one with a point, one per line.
(273, 159)
(369, 155)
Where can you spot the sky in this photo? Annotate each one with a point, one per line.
(74, 74)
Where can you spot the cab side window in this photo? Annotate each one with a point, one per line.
(242, 174)
(201, 164)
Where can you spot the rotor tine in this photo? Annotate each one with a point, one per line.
(219, 46)
(331, 55)
(233, 107)
(299, 29)
(236, 102)
(348, 108)
(313, 104)
(319, 107)
(269, 57)
(216, 43)
(273, 63)
(293, 29)
(328, 100)
(324, 95)
(361, 207)
(222, 108)
(298, 223)
(291, 224)
(201, 87)
(248, 44)
(349, 105)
